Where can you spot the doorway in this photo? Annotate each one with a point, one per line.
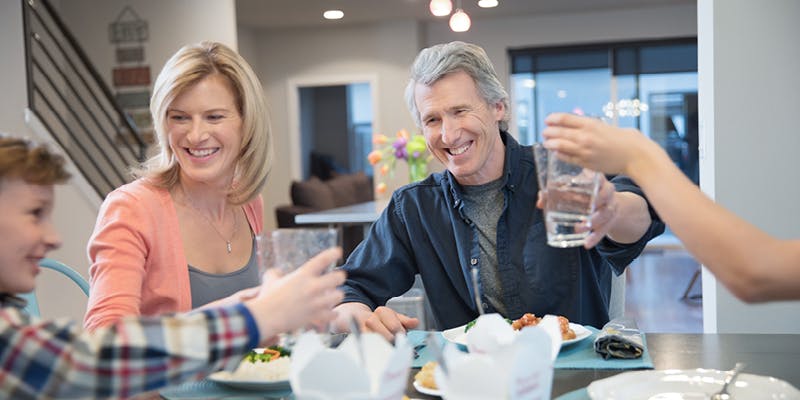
(331, 124)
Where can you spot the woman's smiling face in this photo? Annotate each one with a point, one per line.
(204, 127)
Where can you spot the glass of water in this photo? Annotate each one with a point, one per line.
(571, 194)
(289, 248)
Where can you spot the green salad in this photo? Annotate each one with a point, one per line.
(268, 354)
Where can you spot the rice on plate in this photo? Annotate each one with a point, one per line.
(275, 370)
(271, 364)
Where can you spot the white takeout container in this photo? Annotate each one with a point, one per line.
(321, 373)
(501, 364)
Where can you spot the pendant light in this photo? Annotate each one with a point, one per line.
(459, 21)
(440, 8)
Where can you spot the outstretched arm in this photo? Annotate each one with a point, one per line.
(752, 264)
(133, 355)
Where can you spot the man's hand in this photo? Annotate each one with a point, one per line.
(388, 322)
(605, 214)
(383, 320)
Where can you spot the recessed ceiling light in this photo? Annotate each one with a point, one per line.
(487, 3)
(333, 14)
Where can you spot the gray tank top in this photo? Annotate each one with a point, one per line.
(208, 287)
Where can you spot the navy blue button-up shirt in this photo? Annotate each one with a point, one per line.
(424, 231)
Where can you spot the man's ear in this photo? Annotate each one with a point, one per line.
(499, 111)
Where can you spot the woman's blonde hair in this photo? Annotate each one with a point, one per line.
(187, 67)
(29, 161)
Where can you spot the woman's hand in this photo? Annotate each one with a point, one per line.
(593, 144)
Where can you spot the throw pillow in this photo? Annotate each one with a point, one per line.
(313, 193)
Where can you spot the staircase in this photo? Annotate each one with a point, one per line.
(68, 99)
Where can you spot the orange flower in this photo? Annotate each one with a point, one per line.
(384, 170)
(374, 157)
(379, 139)
(402, 133)
(380, 188)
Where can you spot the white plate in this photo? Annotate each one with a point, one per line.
(226, 378)
(688, 385)
(458, 336)
(428, 391)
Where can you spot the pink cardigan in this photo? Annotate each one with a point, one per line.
(138, 264)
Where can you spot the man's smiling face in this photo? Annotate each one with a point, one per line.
(461, 129)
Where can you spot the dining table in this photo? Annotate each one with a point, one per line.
(775, 355)
(363, 214)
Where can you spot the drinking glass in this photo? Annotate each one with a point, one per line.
(540, 158)
(289, 248)
(571, 194)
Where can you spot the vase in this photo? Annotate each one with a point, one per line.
(417, 171)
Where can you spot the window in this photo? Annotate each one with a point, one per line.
(651, 86)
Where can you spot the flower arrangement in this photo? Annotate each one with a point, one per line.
(409, 148)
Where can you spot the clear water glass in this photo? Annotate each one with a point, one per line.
(289, 248)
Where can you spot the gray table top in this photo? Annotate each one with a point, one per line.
(361, 213)
(765, 354)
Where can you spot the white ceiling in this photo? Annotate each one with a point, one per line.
(279, 14)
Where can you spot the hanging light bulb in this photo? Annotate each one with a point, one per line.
(459, 21)
(487, 3)
(440, 8)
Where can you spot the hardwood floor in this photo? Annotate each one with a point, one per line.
(655, 285)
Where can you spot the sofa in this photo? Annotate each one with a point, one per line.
(315, 194)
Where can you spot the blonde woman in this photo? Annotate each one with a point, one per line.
(182, 234)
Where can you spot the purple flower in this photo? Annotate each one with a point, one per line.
(401, 153)
(400, 143)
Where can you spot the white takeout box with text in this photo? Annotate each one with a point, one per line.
(321, 373)
(502, 364)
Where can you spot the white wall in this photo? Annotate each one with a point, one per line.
(12, 63)
(172, 24)
(749, 96)
(383, 51)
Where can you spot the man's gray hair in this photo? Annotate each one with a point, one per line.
(435, 62)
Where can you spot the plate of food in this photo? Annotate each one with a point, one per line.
(688, 385)
(265, 369)
(570, 332)
(424, 381)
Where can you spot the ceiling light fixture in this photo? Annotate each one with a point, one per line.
(333, 14)
(459, 21)
(487, 3)
(440, 8)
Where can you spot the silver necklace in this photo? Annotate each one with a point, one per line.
(235, 222)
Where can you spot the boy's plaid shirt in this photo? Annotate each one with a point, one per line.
(57, 359)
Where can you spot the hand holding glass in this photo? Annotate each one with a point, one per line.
(571, 193)
(289, 248)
